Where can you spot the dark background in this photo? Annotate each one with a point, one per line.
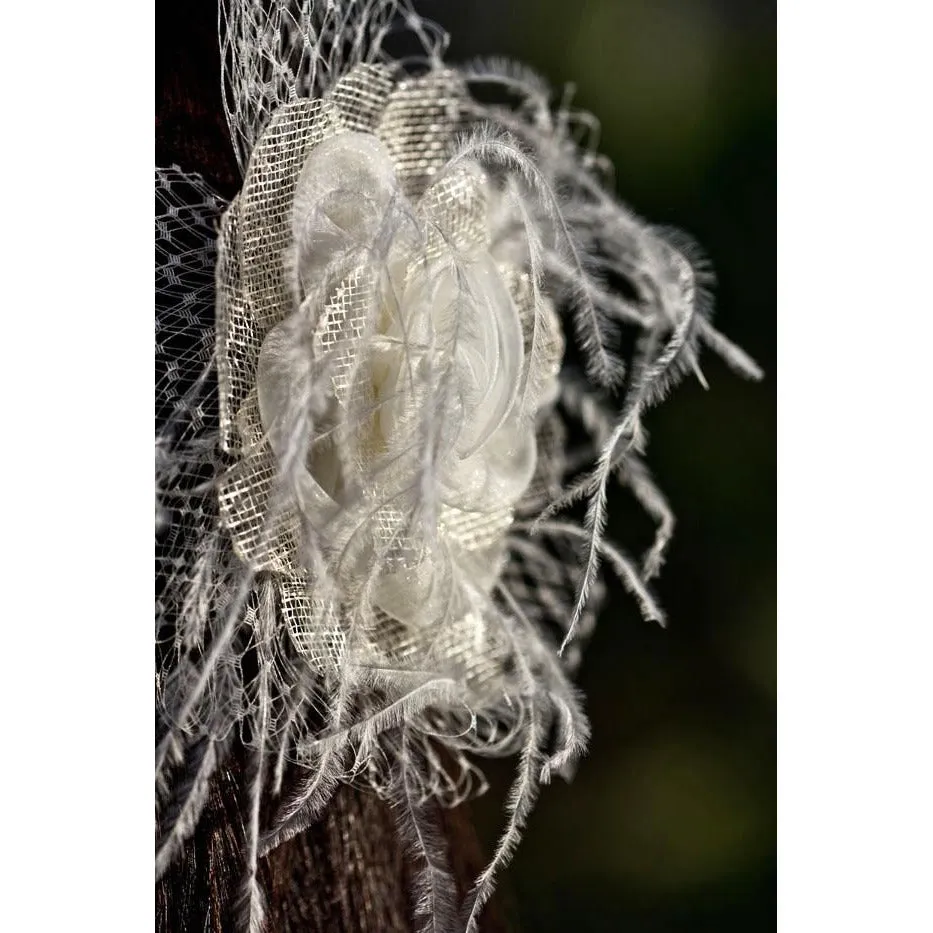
(670, 822)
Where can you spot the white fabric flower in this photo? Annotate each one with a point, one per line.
(433, 347)
(393, 388)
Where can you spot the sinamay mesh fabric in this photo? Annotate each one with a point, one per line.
(370, 421)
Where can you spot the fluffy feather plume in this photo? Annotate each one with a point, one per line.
(363, 406)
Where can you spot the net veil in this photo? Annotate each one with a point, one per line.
(387, 371)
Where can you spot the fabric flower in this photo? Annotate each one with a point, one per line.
(385, 314)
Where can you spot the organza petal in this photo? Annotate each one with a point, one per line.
(494, 359)
(341, 211)
(497, 475)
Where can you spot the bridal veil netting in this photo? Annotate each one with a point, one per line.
(386, 370)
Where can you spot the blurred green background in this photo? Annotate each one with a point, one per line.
(670, 822)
